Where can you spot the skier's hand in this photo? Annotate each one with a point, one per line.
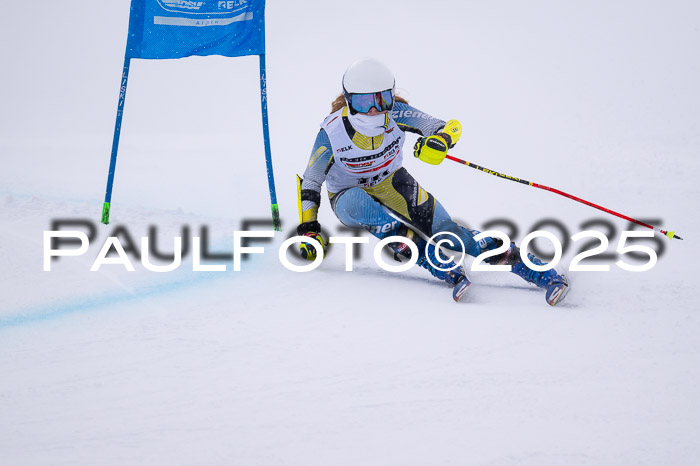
(453, 129)
(312, 230)
(433, 149)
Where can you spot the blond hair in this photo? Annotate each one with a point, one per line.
(339, 102)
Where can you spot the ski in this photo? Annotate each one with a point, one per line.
(461, 288)
(557, 291)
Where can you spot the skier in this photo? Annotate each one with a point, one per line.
(358, 153)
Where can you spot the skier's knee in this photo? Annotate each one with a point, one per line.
(349, 200)
(509, 257)
(349, 206)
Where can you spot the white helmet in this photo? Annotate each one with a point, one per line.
(367, 75)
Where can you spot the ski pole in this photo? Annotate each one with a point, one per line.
(670, 234)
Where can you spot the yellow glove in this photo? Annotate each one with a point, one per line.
(312, 230)
(433, 149)
(453, 129)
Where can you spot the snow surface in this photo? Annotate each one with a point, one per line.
(269, 367)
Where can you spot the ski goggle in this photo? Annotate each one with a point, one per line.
(363, 103)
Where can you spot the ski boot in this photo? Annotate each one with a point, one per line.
(457, 277)
(556, 284)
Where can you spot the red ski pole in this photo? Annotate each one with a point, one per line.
(670, 234)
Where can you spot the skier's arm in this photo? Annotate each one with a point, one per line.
(437, 136)
(309, 194)
(412, 120)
